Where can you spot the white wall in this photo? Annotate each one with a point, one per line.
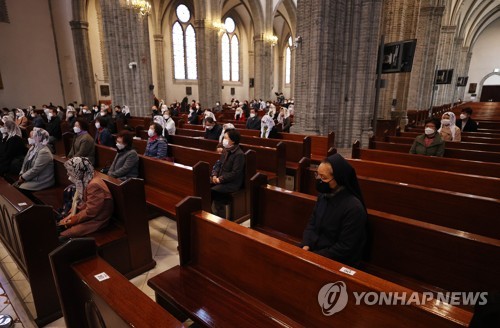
(28, 61)
(485, 55)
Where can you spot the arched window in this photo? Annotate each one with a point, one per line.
(230, 52)
(184, 45)
(288, 61)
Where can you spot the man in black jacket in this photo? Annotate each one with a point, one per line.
(465, 123)
(253, 122)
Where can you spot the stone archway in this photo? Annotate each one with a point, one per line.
(480, 86)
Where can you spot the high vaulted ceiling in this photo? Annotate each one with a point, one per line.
(471, 17)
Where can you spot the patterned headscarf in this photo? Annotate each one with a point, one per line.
(12, 129)
(41, 138)
(80, 172)
(452, 126)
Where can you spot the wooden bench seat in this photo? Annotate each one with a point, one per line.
(88, 302)
(412, 248)
(454, 145)
(28, 233)
(231, 276)
(125, 242)
(473, 155)
(438, 206)
(436, 163)
(321, 146)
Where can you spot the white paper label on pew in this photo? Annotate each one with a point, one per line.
(101, 276)
(348, 271)
(22, 204)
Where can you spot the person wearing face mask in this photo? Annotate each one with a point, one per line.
(449, 131)
(199, 111)
(466, 123)
(284, 119)
(83, 144)
(337, 228)
(267, 129)
(21, 120)
(60, 112)
(253, 122)
(37, 120)
(126, 162)
(228, 172)
(87, 114)
(225, 127)
(92, 201)
(12, 148)
(37, 171)
(217, 108)
(157, 145)
(430, 143)
(71, 116)
(154, 111)
(238, 114)
(192, 116)
(212, 129)
(95, 111)
(169, 122)
(102, 134)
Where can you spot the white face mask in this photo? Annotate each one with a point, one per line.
(225, 143)
(252, 115)
(151, 132)
(70, 114)
(77, 129)
(197, 107)
(97, 125)
(31, 141)
(209, 127)
(191, 110)
(120, 146)
(463, 116)
(50, 115)
(58, 110)
(429, 131)
(217, 104)
(96, 109)
(103, 113)
(445, 122)
(166, 116)
(84, 111)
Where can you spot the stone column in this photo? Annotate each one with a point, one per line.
(80, 30)
(160, 89)
(281, 72)
(209, 66)
(335, 68)
(424, 61)
(446, 60)
(263, 68)
(127, 41)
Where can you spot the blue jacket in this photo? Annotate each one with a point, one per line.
(104, 138)
(156, 148)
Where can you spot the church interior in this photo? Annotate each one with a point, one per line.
(297, 163)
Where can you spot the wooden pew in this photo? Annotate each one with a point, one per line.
(433, 257)
(486, 138)
(89, 302)
(473, 155)
(436, 163)
(270, 160)
(321, 146)
(28, 232)
(449, 145)
(452, 181)
(437, 206)
(125, 242)
(232, 276)
(190, 157)
(168, 183)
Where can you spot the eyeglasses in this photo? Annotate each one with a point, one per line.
(322, 178)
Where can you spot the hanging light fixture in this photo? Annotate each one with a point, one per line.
(142, 6)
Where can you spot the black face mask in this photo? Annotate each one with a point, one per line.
(323, 187)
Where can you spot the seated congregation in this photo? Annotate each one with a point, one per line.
(105, 176)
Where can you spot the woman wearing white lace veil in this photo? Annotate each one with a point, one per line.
(449, 131)
(267, 124)
(37, 172)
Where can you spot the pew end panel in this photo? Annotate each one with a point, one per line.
(88, 302)
(201, 183)
(356, 149)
